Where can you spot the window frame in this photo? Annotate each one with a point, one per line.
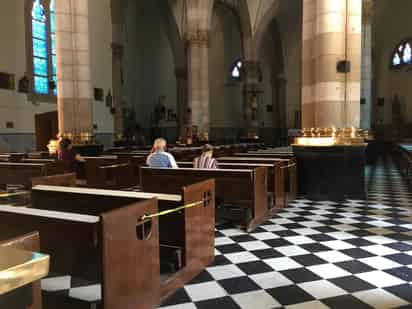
(402, 63)
(32, 95)
(232, 68)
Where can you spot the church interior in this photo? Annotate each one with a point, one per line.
(197, 154)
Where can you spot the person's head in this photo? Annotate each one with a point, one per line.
(207, 150)
(159, 144)
(65, 143)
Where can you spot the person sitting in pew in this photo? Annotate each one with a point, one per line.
(159, 158)
(206, 159)
(69, 157)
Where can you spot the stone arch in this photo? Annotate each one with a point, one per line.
(263, 24)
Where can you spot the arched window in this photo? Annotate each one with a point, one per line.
(402, 55)
(42, 63)
(236, 70)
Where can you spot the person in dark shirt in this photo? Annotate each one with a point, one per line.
(69, 157)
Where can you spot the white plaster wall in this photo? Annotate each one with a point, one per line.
(16, 107)
(392, 23)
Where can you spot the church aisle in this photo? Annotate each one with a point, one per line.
(357, 254)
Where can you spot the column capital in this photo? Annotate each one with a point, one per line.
(367, 11)
(117, 49)
(199, 37)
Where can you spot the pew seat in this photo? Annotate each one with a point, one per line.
(241, 195)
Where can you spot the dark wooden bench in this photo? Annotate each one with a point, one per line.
(128, 247)
(276, 179)
(287, 164)
(100, 251)
(22, 173)
(113, 172)
(241, 195)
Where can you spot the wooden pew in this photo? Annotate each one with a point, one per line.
(276, 178)
(64, 180)
(288, 165)
(186, 238)
(12, 157)
(285, 155)
(241, 194)
(100, 250)
(29, 242)
(22, 173)
(112, 172)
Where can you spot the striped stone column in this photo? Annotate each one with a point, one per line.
(73, 67)
(331, 33)
(198, 80)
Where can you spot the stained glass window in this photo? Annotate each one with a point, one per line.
(236, 70)
(407, 53)
(396, 60)
(402, 55)
(44, 47)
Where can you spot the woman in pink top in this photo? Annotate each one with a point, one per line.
(206, 160)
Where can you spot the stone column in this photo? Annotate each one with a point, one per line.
(181, 105)
(117, 58)
(74, 101)
(117, 55)
(331, 33)
(366, 85)
(198, 80)
(251, 100)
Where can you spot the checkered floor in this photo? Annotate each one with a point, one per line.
(357, 254)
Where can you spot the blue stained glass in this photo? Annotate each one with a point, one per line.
(39, 30)
(41, 85)
(39, 48)
(40, 66)
(54, 62)
(407, 53)
(53, 43)
(52, 6)
(55, 84)
(38, 11)
(52, 23)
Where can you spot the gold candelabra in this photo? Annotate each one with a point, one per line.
(331, 136)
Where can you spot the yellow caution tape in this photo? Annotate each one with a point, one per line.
(6, 195)
(169, 211)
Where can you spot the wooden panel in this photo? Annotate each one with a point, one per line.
(130, 266)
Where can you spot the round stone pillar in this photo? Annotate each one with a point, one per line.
(198, 80)
(74, 100)
(331, 33)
